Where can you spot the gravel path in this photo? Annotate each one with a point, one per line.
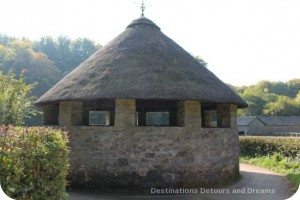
(256, 184)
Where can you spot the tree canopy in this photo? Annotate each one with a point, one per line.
(15, 103)
(43, 62)
(20, 58)
(271, 98)
(66, 53)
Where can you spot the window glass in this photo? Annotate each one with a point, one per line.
(99, 118)
(157, 118)
(213, 122)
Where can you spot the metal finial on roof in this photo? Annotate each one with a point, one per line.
(143, 8)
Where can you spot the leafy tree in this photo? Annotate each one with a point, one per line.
(15, 102)
(297, 99)
(35, 66)
(43, 71)
(6, 56)
(48, 46)
(284, 106)
(44, 61)
(294, 86)
(4, 39)
(271, 98)
(63, 48)
(278, 88)
(255, 105)
(81, 49)
(66, 53)
(22, 58)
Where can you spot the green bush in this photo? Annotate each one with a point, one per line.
(33, 162)
(253, 146)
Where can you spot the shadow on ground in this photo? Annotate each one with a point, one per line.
(255, 183)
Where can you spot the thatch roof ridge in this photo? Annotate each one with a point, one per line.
(141, 63)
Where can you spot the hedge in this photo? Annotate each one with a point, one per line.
(33, 162)
(252, 146)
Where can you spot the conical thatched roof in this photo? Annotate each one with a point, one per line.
(141, 63)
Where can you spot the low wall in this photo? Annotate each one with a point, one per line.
(145, 157)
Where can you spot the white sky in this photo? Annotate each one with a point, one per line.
(243, 41)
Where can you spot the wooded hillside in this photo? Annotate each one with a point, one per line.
(45, 61)
(271, 98)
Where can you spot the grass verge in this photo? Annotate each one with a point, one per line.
(280, 164)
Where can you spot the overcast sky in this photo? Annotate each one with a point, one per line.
(243, 41)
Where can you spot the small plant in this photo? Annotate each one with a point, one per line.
(278, 157)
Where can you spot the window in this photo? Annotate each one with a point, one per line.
(157, 119)
(156, 112)
(99, 113)
(216, 115)
(99, 118)
(209, 115)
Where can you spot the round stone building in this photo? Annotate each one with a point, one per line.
(142, 112)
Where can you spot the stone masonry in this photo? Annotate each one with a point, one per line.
(50, 114)
(153, 157)
(126, 156)
(70, 113)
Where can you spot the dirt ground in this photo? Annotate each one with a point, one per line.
(256, 183)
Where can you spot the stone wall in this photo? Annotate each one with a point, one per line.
(126, 156)
(189, 114)
(145, 157)
(125, 114)
(50, 114)
(226, 115)
(70, 113)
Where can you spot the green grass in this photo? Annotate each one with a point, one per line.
(278, 163)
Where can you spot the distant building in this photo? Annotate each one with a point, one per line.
(276, 125)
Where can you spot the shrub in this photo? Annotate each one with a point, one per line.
(252, 146)
(33, 162)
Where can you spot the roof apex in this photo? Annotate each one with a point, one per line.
(142, 21)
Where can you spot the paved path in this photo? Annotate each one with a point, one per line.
(256, 184)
